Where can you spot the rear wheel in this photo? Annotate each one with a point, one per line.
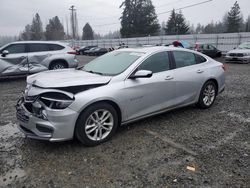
(207, 95)
(96, 124)
(57, 65)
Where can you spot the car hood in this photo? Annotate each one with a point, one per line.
(239, 51)
(66, 78)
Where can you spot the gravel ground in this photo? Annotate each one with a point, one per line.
(155, 152)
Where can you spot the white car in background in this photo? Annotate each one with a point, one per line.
(27, 57)
(240, 54)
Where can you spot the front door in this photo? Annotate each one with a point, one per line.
(145, 96)
(15, 62)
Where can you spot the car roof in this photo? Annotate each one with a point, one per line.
(150, 50)
(35, 42)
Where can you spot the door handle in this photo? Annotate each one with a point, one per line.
(199, 71)
(23, 57)
(169, 78)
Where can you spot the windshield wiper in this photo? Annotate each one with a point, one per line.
(93, 72)
(78, 68)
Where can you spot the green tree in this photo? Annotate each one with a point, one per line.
(26, 34)
(87, 32)
(138, 18)
(234, 19)
(247, 25)
(176, 24)
(54, 29)
(36, 28)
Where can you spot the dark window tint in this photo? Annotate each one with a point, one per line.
(156, 63)
(16, 48)
(54, 47)
(183, 59)
(38, 47)
(210, 47)
(200, 59)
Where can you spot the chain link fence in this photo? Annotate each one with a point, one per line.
(223, 41)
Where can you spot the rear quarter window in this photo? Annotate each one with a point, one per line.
(55, 47)
(200, 59)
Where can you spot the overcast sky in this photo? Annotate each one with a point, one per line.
(15, 14)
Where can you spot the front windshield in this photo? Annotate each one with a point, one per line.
(245, 45)
(112, 63)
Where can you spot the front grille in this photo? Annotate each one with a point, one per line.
(21, 116)
(236, 54)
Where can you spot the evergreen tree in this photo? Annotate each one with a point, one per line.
(176, 24)
(247, 25)
(54, 30)
(36, 28)
(26, 34)
(234, 19)
(138, 18)
(87, 32)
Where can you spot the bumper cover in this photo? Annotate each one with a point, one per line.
(59, 125)
(245, 59)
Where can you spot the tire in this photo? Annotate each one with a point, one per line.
(207, 95)
(57, 65)
(90, 127)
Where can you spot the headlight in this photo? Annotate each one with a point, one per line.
(38, 110)
(61, 104)
(55, 100)
(246, 54)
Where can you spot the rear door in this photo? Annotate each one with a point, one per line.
(189, 74)
(16, 62)
(38, 54)
(149, 95)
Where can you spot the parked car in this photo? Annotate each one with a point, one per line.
(89, 52)
(120, 87)
(207, 49)
(96, 51)
(27, 57)
(99, 51)
(239, 55)
(81, 51)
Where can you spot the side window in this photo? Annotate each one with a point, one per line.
(205, 47)
(183, 59)
(200, 59)
(211, 47)
(54, 47)
(16, 48)
(156, 63)
(38, 47)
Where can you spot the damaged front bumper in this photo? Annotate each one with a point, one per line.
(57, 126)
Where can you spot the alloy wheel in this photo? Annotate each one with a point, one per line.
(209, 95)
(99, 125)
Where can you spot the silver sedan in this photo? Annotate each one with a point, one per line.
(123, 86)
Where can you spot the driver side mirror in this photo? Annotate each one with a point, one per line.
(5, 53)
(141, 74)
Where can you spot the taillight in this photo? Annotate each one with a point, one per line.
(196, 47)
(72, 52)
(223, 67)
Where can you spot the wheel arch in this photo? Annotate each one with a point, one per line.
(108, 101)
(216, 84)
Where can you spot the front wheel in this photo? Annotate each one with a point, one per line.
(207, 95)
(96, 124)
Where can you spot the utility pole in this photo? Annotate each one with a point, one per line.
(73, 21)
